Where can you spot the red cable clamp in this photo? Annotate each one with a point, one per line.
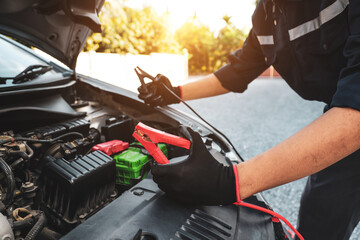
(111, 147)
(149, 137)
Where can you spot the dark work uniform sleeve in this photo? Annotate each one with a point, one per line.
(348, 87)
(244, 66)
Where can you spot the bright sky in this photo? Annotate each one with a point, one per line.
(209, 12)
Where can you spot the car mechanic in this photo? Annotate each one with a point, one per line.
(315, 46)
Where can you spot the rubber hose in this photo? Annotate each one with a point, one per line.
(24, 223)
(29, 149)
(10, 180)
(21, 154)
(16, 162)
(36, 229)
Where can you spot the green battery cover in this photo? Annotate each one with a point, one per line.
(129, 164)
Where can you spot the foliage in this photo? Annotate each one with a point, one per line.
(208, 52)
(127, 30)
(198, 40)
(228, 40)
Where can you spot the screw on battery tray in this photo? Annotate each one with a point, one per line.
(138, 192)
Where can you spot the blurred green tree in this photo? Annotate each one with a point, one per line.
(134, 31)
(208, 52)
(127, 30)
(228, 40)
(199, 41)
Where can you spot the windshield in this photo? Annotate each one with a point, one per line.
(14, 59)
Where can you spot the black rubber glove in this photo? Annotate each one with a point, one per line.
(199, 179)
(155, 94)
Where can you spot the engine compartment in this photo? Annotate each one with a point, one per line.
(70, 169)
(54, 177)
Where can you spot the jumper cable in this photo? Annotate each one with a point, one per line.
(150, 137)
(146, 139)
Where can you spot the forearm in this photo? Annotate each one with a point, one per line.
(206, 87)
(328, 139)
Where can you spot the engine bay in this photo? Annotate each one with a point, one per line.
(54, 177)
(70, 168)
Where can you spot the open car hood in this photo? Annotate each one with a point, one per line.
(58, 27)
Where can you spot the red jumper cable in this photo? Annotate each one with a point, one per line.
(149, 137)
(275, 215)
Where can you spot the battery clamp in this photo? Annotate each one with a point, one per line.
(152, 145)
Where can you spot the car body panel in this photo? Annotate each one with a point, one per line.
(145, 207)
(58, 27)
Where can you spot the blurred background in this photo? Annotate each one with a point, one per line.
(180, 39)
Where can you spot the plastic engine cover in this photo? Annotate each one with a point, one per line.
(147, 208)
(78, 125)
(73, 190)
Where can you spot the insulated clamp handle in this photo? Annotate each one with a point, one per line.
(149, 137)
(153, 150)
(157, 136)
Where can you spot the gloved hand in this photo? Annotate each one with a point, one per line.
(199, 179)
(155, 94)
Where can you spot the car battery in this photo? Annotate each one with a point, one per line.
(133, 164)
(118, 128)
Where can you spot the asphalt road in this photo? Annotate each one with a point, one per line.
(258, 119)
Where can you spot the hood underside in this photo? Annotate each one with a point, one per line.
(58, 27)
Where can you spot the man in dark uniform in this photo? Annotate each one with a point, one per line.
(315, 46)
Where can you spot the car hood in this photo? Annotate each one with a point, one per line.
(58, 27)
